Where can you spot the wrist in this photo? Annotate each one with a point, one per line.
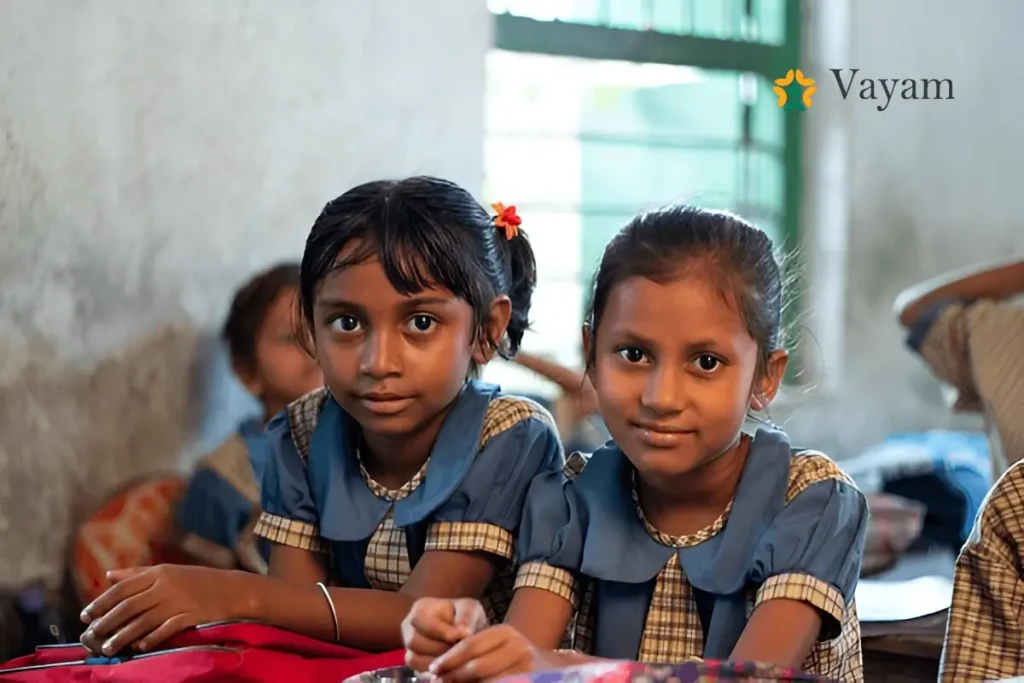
(243, 600)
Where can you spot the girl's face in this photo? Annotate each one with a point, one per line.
(394, 362)
(674, 371)
(284, 371)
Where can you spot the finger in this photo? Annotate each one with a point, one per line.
(118, 575)
(499, 663)
(470, 615)
(92, 642)
(494, 665)
(421, 645)
(124, 612)
(137, 628)
(416, 662)
(114, 595)
(437, 624)
(167, 630)
(467, 650)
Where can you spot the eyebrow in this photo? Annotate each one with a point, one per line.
(335, 303)
(628, 336)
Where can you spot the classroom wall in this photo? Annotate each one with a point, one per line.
(152, 156)
(929, 186)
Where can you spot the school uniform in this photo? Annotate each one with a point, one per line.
(985, 634)
(467, 497)
(217, 516)
(794, 530)
(976, 347)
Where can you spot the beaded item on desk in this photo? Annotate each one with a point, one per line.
(707, 671)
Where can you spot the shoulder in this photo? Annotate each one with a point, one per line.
(808, 467)
(302, 417)
(505, 412)
(1002, 513)
(230, 461)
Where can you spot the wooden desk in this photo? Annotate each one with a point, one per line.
(905, 657)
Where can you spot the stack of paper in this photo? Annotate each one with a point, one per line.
(914, 606)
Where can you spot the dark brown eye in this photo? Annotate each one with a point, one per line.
(345, 323)
(632, 354)
(707, 362)
(421, 323)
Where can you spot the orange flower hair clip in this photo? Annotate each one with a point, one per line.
(507, 219)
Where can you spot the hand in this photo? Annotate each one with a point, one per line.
(148, 605)
(434, 625)
(494, 653)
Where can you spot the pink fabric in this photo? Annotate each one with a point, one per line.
(231, 652)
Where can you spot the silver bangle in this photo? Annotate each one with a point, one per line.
(334, 613)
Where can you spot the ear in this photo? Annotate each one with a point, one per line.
(250, 378)
(494, 328)
(771, 379)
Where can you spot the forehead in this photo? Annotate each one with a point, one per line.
(366, 283)
(284, 306)
(672, 312)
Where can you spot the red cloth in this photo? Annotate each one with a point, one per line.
(229, 653)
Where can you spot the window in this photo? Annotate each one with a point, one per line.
(598, 109)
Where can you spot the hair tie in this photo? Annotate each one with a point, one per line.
(507, 219)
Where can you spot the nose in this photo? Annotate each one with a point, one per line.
(381, 355)
(665, 391)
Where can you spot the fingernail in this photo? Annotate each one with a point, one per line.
(108, 648)
(85, 616)
(142, 647)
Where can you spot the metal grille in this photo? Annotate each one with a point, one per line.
(760, 21)
(599, 109)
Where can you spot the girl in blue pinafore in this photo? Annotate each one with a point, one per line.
(217, 516)
(404, 477)
(685, 536)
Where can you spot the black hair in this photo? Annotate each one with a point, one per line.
(426, 232)
(249, 311)
(662, 244)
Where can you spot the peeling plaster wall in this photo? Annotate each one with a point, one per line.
(154, 155)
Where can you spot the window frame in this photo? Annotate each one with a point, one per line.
(567, 39)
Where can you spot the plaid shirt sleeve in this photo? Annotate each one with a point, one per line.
(985, 634)
(976, 348)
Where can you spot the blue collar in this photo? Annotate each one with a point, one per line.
(719, 565)
(348, 510)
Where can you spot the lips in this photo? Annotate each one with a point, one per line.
(383, 403)
(662, 436)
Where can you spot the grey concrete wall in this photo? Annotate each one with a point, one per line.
(929, 186)
(154, 154)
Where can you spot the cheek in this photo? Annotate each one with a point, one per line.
(615, 388)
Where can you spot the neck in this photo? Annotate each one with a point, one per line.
(394, 459)
(686, 504)
(272, 408)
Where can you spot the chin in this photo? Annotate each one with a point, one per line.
(663, 462)
(387, 425)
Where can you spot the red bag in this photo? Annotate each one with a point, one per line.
(230, 652)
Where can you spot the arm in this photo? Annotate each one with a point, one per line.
(807, 566)
(367, 619)
(764, 641)
(996, 283)
(570, 381)
(984, 632)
